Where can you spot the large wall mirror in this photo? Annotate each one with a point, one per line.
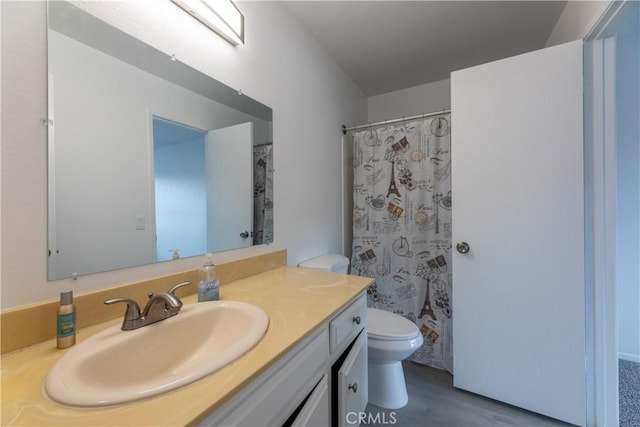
(149, 159)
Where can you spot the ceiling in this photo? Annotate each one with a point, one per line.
(389, 45)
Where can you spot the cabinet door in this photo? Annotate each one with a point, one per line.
(353, 386)
(517, 185)
(315, 412)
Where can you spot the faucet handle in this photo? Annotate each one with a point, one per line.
(133, 309)
(131, 316)
(173, 290)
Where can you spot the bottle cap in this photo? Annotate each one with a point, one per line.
(66, 297)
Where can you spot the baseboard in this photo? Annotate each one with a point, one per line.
(629, 357)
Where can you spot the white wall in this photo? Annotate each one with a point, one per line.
(411, 101)
(280, 65)
(628, 189)
(576, 20)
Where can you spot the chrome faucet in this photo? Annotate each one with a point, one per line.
(160, 306)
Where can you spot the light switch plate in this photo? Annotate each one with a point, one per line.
(141, 223)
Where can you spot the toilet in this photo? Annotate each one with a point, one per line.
(391, 339)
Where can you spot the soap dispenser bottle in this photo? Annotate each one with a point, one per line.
(209, 286)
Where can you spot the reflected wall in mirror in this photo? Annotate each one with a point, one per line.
(127, 187)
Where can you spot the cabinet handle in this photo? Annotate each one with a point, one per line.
(353, 387)
(356, 320)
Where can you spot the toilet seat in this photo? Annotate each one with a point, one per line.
(385, 326)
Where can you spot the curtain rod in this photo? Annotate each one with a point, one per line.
(400, 119)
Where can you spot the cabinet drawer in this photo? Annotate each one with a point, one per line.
(348, 324)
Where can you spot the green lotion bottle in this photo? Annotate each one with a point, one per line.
(66, 323)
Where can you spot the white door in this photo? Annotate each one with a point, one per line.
(229, 159)
(517, 183)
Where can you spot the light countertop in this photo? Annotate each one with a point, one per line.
(297, 301)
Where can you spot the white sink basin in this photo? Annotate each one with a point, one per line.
(116, 366)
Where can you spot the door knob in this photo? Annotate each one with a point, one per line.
(463, 247)
(244, 235)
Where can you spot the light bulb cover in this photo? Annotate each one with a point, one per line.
(221, 16)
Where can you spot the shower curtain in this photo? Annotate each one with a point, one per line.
(402, 227)
(262, 194)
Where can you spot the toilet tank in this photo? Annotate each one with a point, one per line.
(329, 262)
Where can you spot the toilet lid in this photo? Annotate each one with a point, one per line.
(384, 325)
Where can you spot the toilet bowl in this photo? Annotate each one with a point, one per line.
(391, 338)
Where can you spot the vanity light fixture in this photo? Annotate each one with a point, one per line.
(222, 16)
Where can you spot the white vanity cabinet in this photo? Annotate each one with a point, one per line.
(316, 383)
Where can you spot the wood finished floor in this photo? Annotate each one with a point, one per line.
(434, 402)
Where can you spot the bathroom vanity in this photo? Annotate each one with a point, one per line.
(317, 383)
(310, 366)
